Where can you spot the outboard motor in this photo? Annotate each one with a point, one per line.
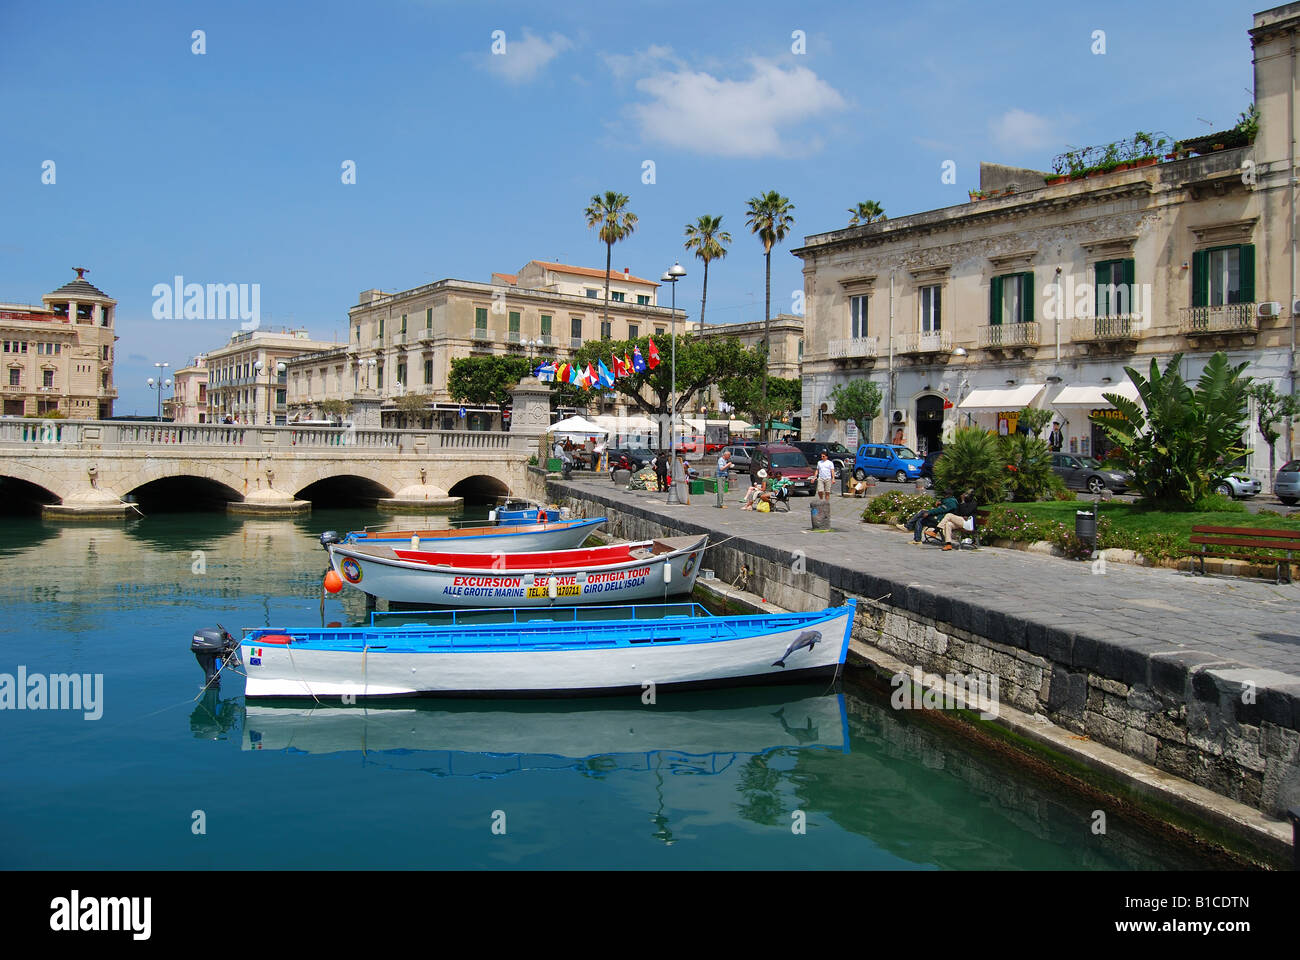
(328, 537)
(214, 648)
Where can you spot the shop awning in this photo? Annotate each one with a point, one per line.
(1001, 398)
(1090, 395)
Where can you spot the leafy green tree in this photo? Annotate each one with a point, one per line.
(413, 407)
(866, 211)
(709, 241)
(859, 401)
(770, 218)
(1028, 463)
(972, 460)
(1271, 408)
(744, 394)
(486, 379)
(700, 364)
(335, 408)
(615, 224)
(1035, 418)
(1178, 445)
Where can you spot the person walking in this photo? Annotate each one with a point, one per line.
(1054, 439)
(724, 466)
(825, 474)
(661, 470)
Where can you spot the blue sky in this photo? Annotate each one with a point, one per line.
(226, 167)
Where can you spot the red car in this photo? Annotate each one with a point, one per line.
(791, 462)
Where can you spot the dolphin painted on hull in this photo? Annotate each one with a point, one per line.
(809, 639)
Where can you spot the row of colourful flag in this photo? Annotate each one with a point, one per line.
(598, 375)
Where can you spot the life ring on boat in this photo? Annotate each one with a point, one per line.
(351, 570)
(689, 565)
(541, 516)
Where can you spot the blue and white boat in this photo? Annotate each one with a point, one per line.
(535, 653)
(491, 538)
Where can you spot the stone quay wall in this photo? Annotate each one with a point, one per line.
(1173, 712)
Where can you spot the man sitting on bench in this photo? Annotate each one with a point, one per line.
(963, 518)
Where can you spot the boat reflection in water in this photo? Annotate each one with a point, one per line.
(686, 733)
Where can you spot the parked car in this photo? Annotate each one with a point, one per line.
(927, 466)
(1087, 473)
(791, 462)
(889, 461)
(1237, 486)
(1287, 483)
(637, 456)
(839, 454)
(740, 456)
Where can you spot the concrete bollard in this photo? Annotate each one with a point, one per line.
(821, 514)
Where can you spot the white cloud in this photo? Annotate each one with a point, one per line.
(624, 65)
(732, 118)
(1020, 130)
(525, 58)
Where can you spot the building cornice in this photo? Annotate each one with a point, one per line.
(488, 291)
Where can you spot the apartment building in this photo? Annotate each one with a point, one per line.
(59, 356)
(247, 378)
(189, 400)
(1040, 295)
(404, 342)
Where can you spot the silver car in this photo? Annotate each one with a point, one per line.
(1088, 474)
(1237, 486)
(1287, 483)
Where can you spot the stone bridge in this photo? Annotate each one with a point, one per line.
(88, 468)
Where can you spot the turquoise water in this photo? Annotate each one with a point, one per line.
(692, 781)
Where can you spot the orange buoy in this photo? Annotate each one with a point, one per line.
(333, 582)
(541, 516)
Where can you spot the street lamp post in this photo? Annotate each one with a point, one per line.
(672, 275)
(277, 369)
(160, 383)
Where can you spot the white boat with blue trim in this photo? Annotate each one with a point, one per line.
(618, 573)
(530, 653)
(514, 537)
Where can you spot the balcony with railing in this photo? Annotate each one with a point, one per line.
(575, 343)
(928, 342)
(1008, 336)
(514, 337)
(482, 333)
(426, 336)
(1219, 320)
(546, 340)
(1114, 328)
(853, 348)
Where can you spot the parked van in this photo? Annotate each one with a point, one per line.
(888, 461)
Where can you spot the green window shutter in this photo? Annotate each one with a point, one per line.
(995, 301)
(480, 318)
(403, 323)
(546, 325)
(514, 321)
(1101, 276)
(1027, 298)
(428, 319)
(1247, 272)
(1201, 278)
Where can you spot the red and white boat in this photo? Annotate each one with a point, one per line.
(624, 572)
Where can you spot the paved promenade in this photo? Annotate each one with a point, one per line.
(1155, 611)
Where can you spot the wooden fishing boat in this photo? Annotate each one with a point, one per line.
(622, 573)
(491, 538)
(566, 654)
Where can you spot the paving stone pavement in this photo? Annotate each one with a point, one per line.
(1151, 611)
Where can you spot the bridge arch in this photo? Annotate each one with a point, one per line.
(23, 496)
(34, 476)
(344, 489)
(480, 488)
(183, 492)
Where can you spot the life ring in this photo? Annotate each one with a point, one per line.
(688, 566)
(351, 570)
(541, 516)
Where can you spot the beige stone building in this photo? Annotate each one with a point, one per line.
(1041, 294)
(59, 356)
(189, 400)
(404, 342)
(247, 378)
(786, 357)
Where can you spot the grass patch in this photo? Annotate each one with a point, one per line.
(1133, 518)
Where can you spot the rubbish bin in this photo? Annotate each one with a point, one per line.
(846, 477)
(1085, 527)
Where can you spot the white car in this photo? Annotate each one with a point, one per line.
(1237, 486)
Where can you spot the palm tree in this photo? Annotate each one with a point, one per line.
(769, 217)
(868, 211)
(615, 225)
(707, 238)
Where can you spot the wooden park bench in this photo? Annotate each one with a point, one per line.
(1228, 543)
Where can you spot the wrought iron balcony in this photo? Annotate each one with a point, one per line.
(1226, 318)
(481, 333)
(546, 340)
(514, 336)
(854, 347)
(1000, 336)
(426, 336)
(1118, 326)
(575, 343)
(937, 341)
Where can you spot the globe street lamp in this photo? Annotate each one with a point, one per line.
(672, 275)
(279, 369)
(159, 383)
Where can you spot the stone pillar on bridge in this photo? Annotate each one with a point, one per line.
(365, 410)
(530, 417)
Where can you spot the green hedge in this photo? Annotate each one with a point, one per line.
(1006, 523)
(896, 507)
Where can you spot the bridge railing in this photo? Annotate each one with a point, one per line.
(131, 435)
